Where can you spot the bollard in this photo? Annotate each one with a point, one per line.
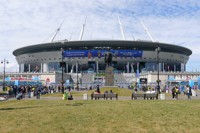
(85, 96)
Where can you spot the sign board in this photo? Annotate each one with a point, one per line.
(143, 80)
(101, 53)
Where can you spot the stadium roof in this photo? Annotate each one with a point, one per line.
(102, 44)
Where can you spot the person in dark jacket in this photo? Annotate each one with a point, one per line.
(188, 91)
(29, 91)
(173, 93)
(37, 92)
(15, 90)
(98, 89)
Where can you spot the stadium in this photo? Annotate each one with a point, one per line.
(88, 56)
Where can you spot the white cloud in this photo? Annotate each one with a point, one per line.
(27, 22)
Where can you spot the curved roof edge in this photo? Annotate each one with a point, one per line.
(103, 43)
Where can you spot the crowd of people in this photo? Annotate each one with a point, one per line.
(26, 90)
(36, 90)
(176, 92)
(29, 91)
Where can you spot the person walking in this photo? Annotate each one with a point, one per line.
(37, 92)
(29, 91)
(15, 91)
(23, 88)
(189, 92)
(98, 89)
(177, 92)
(173, 93)
(69, 88)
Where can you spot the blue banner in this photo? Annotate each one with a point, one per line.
(101, 53)
(191, 83)
(171, 78)
(7, 79)
(16, 82)
(35, 78)
(198, 80)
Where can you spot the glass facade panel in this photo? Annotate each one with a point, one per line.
(54, 67)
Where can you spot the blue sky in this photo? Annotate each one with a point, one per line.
(28, 22)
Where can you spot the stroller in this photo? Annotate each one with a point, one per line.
(19, 96)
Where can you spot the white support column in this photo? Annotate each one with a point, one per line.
(72, 69)
(97, 66)
(160, 67)
(45, 68)
(138, 66)
(29, 68)
(182, 67)
(22, 68)
(127, 67)
(41, 68)
(67, 67)
(76, 67)
(174, 68)
(132, 68)
(163, 67)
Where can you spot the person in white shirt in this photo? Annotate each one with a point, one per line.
(188, 91)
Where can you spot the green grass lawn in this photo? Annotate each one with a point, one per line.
(100, 116)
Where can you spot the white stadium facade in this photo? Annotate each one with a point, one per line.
(83, 61)
(88, 56)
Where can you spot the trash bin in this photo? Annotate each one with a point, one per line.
(32, 94)
(162, 96)
(65, 96)
(85, 96)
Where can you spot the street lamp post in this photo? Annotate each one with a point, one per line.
(158, 69)
(77, 84)
(62, 81)
(4, 62)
